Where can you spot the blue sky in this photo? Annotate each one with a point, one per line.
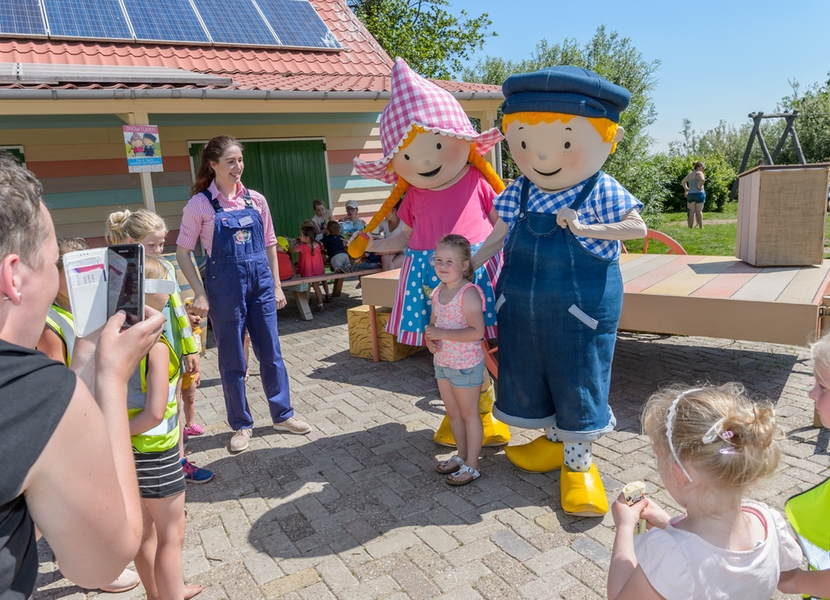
(719, 59)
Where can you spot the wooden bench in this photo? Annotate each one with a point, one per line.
(301, 289)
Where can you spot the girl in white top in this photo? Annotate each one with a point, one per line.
(322, 216)
(712, 444)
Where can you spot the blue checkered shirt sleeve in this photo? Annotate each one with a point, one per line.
(507, 203)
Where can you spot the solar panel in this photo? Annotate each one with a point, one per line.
(235, 23)
(165, 20)
(21, 17)
(241, 22)
(100, 19)
(297, 23)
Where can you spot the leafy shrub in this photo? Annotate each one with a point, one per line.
(719, 178)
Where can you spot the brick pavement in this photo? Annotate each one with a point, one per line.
(355, 511)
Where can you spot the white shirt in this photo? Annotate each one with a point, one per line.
(682, 566)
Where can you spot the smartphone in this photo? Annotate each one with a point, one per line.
(125, 281)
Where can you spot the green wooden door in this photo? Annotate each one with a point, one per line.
(290, 174)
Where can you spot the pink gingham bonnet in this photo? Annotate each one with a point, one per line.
(418, 102)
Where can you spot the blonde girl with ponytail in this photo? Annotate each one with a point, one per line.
(713, 446)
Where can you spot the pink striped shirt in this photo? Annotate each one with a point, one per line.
(198, 217)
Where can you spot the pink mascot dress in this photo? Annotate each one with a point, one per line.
(433, 155)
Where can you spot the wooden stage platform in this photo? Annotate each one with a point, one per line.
(710, 296)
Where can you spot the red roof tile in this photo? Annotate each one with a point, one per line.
(362, 65)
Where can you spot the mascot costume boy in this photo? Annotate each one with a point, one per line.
(560, 291)
(433, 155)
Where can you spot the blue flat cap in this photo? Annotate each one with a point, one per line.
(568, 90)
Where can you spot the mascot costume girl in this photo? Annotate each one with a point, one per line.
(433, 155)
(560, 291)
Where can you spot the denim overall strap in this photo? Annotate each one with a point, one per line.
(240, 290)
(586, 191)
(215, 203)
(559, 309)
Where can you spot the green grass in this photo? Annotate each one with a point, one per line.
(715, 239)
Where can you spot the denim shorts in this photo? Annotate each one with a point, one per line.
(462, 378)
(696, 197)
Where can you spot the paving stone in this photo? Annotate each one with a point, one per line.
(356, 512)
(465, 575)
(514, 545)
(318, 591)
(336, 575)
(379, 587)
(415, 583)
(262, 568)
(593, 551)
(551, 560)
(393, 544)
(543, 588)
(468, 552)
(290, 583)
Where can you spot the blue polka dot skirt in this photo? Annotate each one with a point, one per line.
(412, 308)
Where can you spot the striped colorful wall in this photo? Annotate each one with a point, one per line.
(80, 160)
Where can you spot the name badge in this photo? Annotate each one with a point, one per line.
(245, 221)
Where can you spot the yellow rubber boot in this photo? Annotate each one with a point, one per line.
(582, 494)
(539, 456)
(487, 398)
(444, 436)
(496, 433)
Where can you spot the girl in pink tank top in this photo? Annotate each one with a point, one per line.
(454, 336)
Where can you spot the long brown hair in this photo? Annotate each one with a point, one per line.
(212, 152)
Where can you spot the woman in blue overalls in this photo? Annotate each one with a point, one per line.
(241, 290)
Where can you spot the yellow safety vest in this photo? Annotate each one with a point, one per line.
(61, 322)
(809, 514)
(165, 435)
(178, 323)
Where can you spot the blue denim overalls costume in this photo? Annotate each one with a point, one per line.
(557, 328)
(240, 290)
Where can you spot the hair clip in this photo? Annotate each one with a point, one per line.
(670, 429)
(714, 432)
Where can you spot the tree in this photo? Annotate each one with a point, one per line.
(616, 59)
(431, 40)
(812, 124)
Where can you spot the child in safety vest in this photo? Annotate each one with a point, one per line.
(154, 430)
(58, 337)
(149, 229)
(57, 342)
(190, 381)
(809, 511)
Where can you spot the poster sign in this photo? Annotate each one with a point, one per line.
(143, 148)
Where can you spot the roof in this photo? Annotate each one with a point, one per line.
(362, 65)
